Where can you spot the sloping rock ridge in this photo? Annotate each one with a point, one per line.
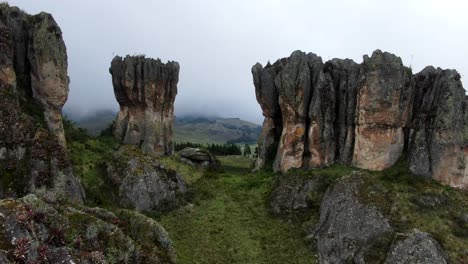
(145, 90)
(366, 115)
(32, 231)
(33, 89)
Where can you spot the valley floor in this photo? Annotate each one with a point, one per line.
(229, 222)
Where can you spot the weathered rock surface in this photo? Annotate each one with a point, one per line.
(417, 248)
(382, 110)
(349, 230)
(145, 90)
(438, 140)
(293, 195)
(200, 157)
(142, 183)
(366, 115)
(33, 89)
(32, 231)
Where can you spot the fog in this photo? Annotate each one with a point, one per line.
(216, 42)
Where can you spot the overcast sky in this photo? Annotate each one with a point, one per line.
(216, 42)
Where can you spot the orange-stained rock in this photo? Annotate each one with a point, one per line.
(366, 115)
(383, 108)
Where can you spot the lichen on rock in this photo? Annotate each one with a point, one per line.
(142, 182)
(32, 231)
(367, 115)
(33, 89)
(145, 90)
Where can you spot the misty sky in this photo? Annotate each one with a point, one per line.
(216, 42)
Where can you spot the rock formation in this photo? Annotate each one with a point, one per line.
(349, 229)
(142, 183)
(417, 247)
(33, 89)
(359, 219)
(145, 90)
(201, 158)
(36, 232)
(366, 115)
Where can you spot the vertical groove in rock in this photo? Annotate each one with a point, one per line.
(145, 90)
(366, 115)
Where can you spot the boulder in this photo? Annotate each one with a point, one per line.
(350, 230)
(145, 90)
(200, 157)
(32, 231)
(295, 195)
(142, 182)
(416, 248)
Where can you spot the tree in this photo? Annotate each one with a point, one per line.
(247, 150)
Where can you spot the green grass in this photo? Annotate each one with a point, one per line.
(191, 174)
(88, 157)
(229, 221)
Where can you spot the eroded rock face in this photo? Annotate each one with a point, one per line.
(438, 139)
(145, 90)
(418, 247)
(382, 109)
(33, 89)
(142, 183)
(32, 231)
(349, 230)
(366, 115)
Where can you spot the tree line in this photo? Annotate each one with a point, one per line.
(219, 149)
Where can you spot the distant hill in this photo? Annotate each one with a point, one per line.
(195, 129)
(93, 123)
(215, 130)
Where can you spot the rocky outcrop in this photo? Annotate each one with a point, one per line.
(356, 224)
(33, 89)
(201, 158)
(350, 230)
(142, 183)
(382, 110)
(32, 231)
(366, 115)
(417, 247)
(145, 90)
(438, 137)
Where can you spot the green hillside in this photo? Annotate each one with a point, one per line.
(193, 129)
(215, 130)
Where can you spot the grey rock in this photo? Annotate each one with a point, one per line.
(33, 89)
(292, 194)
(145, 90)
(417, 248)
(45, 233)
(436, 146)
(143, 183)
(366, 115)
(349, 230)
(200, 157)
